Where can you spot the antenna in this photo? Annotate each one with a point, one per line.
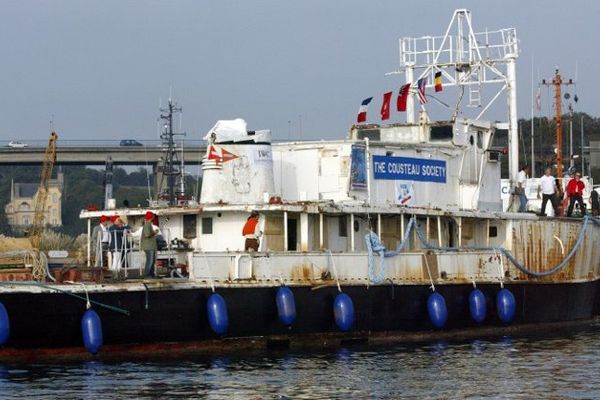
(469, 61)
(171, 168)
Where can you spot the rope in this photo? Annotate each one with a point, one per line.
(374, 245)
(508, 254)
(429, 273)
(210, 278)
(337, 281)
(38, 284)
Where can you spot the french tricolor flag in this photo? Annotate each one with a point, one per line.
(362, 111)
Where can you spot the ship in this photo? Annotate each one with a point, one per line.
(394, 233)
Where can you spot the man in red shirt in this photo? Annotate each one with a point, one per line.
(575, 192)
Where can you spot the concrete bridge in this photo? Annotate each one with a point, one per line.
(97, 155)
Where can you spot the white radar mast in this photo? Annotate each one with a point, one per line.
(468, 61)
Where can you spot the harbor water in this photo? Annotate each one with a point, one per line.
(558, 365)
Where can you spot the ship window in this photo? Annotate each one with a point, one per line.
(207, 226)
(189, 226)
(493, 231)
(356, 226)
(480, 139)
(372, 134)
(342, 227)
(441, 132)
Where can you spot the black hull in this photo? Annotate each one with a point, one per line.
(179, 315)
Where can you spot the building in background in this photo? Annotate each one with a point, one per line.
(19, 211)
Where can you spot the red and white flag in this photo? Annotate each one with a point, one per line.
(213, 154)
(362, 111)
(402, 97)
(385, 106)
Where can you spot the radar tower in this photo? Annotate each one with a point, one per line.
(171, 167)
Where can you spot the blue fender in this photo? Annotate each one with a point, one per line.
(477, 305)
(91, 331)
(343, 312)
(286, 306)
(216, 309)
(437, 310)
(4, 325)
(506, 305)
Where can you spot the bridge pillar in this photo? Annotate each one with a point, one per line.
(160, 183)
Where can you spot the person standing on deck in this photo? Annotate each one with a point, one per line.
(148, 244)
(100, 240)
(575, 192)
(117, 233)
(521, 185)
(251, 232)
(548, 188)
(595, 202)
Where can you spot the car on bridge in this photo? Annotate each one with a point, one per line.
(130, 142)
(17, 145)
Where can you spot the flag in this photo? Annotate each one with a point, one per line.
(538, 99)
(402, 96)
(213, 154)
(438, 81)
(385, 107)
(228, 156)
(362, 111)
(421, 90)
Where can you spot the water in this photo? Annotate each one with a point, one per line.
(560, 366)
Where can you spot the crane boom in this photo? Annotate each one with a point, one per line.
(35, 233)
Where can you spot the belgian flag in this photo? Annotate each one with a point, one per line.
(438, 81)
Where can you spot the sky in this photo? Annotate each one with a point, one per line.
(100, 69)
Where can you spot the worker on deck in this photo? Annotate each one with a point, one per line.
(100, 239)
(118, 242)
(252, 232)
(548, 188)
(575, 192)
(595, 202)
(522, 178)
(148, 244)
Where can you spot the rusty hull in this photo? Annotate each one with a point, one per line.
(542, 245)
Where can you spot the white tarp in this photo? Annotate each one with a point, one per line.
(235, 130)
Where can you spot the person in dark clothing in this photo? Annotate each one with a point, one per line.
(595, 203)
(117, 236)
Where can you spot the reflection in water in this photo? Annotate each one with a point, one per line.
(557, 367)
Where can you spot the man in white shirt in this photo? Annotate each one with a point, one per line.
(548, 188)
(520, 189)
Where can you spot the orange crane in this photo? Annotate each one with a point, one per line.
(35, 233)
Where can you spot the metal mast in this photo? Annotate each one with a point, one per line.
(171, 165)
(469, 61)
(557, 83)
(108, 176)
